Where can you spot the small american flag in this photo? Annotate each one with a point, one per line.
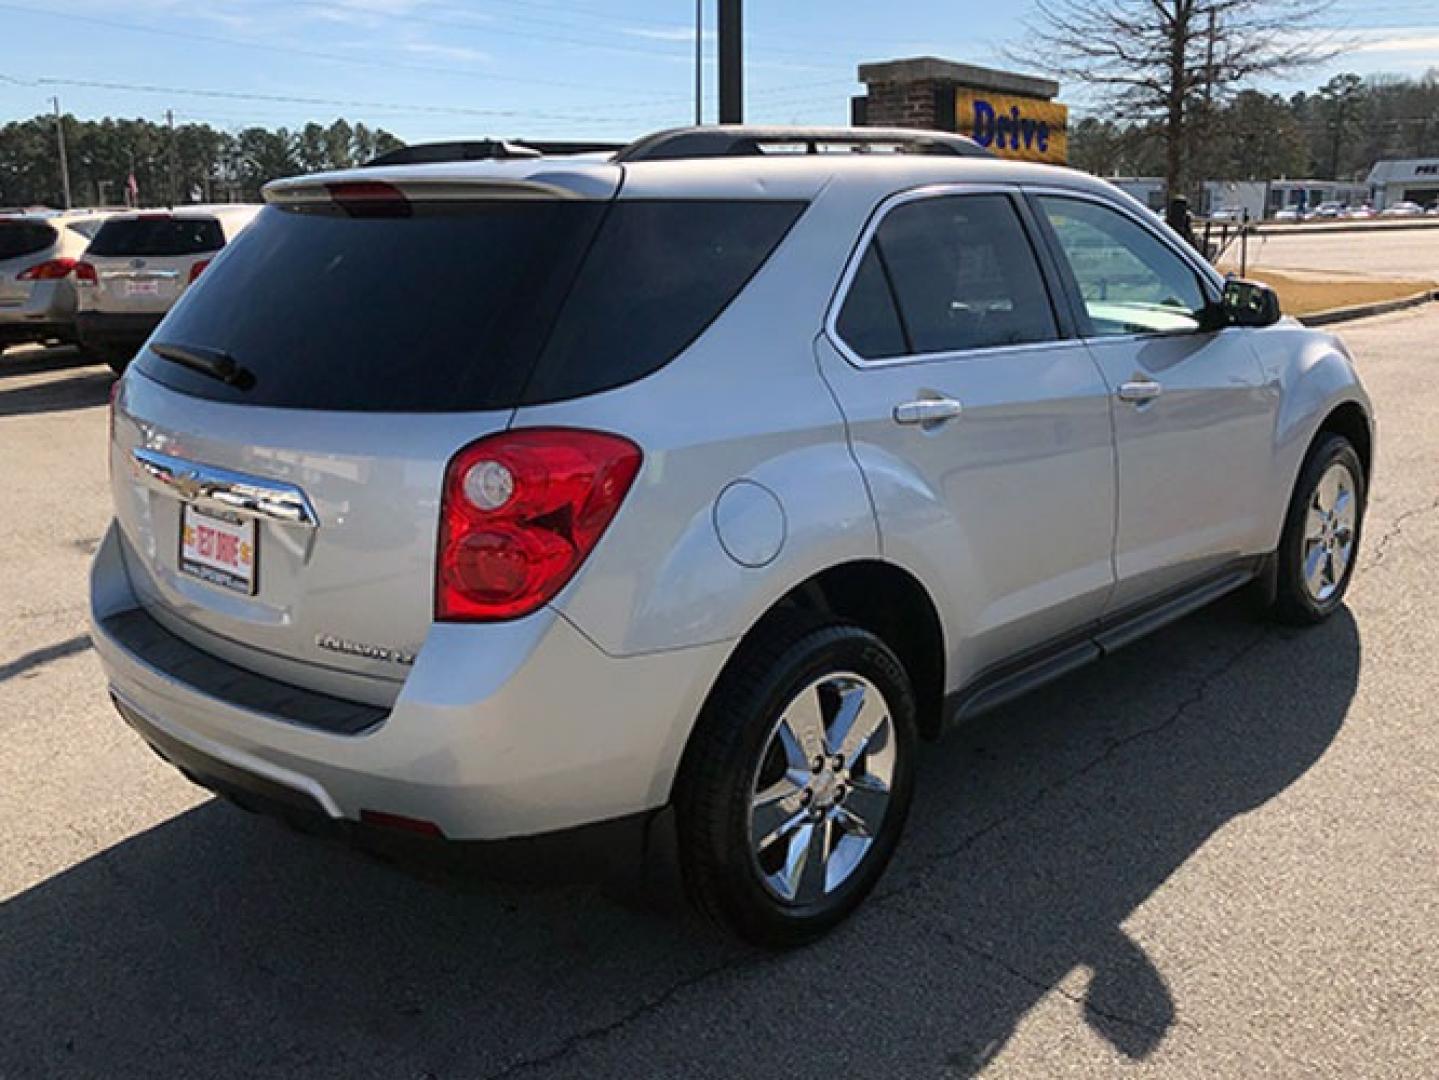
(132, 190)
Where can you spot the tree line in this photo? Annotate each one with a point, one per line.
(188, 163)
(1334, 133)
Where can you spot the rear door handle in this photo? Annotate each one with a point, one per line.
(1140, 390)
(927, 411)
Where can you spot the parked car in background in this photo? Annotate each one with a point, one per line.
(517, 502)
(139, 264)
(1228, 214)
(1289, 213)
(1433, 211)
(1357, 213)
(1402, 209)
(38, 253)
(1331, 209)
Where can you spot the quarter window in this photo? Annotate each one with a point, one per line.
(1131, 282)
(947, 274)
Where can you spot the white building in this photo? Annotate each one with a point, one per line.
(1414, 180)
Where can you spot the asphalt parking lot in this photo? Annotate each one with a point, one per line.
(1216, 854)
(1402, 253)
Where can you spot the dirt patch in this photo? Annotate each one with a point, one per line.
(1302, 293)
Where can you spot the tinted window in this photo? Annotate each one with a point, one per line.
(87, 229)
(19, 238)
(869, 321)
(659, 274)
(1132, 282)
(964, 274)
(157, 237)
(441, 310)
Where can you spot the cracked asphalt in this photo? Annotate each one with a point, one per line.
(1215, 854)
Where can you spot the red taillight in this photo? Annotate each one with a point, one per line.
(369, 198)
(85, 273)
(53, 270)
(198, 269)
(520, 512)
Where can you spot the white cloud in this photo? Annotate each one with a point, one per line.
(447, 52)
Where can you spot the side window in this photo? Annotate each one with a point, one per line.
(947, 274)
(964, 274)
(869, 321)
(1132, 283)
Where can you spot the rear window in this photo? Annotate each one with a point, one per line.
(20, 238)
(464, 307)
(157, 237)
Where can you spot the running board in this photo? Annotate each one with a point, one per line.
(1015, 678)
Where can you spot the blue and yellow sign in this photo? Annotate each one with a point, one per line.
(1023, 128)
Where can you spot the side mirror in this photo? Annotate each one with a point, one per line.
(1249, 303)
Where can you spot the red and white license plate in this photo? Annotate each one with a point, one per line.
(219, 549)
(142, 287)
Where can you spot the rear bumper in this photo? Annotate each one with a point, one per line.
(501, 731)
(48, 312)
(113, 332)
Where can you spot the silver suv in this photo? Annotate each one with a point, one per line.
(519, 502)
(38, 254)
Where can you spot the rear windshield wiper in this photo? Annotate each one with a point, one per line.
(212, 362)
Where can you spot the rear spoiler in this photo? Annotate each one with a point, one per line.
(410, 185)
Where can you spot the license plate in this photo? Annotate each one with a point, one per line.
(142, 288)
(219, 549)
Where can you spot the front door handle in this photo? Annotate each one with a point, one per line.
(1139, 391)
(927, 411)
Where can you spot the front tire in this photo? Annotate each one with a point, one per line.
(1320, 543)
(797, 781)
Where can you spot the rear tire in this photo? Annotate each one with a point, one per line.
(797, 781)
(1320, 544)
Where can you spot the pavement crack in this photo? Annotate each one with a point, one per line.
(1381, 546)
(648, 1007)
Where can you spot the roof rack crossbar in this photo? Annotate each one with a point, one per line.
(744, 141)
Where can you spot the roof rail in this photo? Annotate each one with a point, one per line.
(741, 140)
(486, 150)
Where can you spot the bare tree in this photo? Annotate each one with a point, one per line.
(1166, 61)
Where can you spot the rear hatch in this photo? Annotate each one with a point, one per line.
(24, 242)
(287, 520)
(142, 263)
(281, 444)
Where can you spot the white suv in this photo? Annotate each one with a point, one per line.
(139, 264)
(38, 253)
(519, 501)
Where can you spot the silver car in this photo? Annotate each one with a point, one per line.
(550, 503)
(38, 253)
(139, 264)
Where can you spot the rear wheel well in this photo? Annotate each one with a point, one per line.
(891, 604)
(1350, 421)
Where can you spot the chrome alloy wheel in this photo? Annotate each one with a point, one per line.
(822, 787)
(1329, 532)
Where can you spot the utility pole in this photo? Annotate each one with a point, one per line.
(64, 161)
(172, 187)
(731, 62)
(699, 62)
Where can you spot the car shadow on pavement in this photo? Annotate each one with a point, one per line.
(217, 944)
(87, 386)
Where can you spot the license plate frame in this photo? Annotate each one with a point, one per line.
(207, 554)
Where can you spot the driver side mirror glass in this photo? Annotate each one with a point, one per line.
(1249, 303)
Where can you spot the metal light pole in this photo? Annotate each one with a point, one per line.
(699, 62)
(64, 162)
(731, 63)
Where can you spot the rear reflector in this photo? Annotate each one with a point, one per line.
(521, 511)
(53, 270)
(198, 269)
(401, 823)
(369, 198)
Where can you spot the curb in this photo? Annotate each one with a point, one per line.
(1309, 228)
(1364, 311)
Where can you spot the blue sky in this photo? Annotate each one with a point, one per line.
(429, 69)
